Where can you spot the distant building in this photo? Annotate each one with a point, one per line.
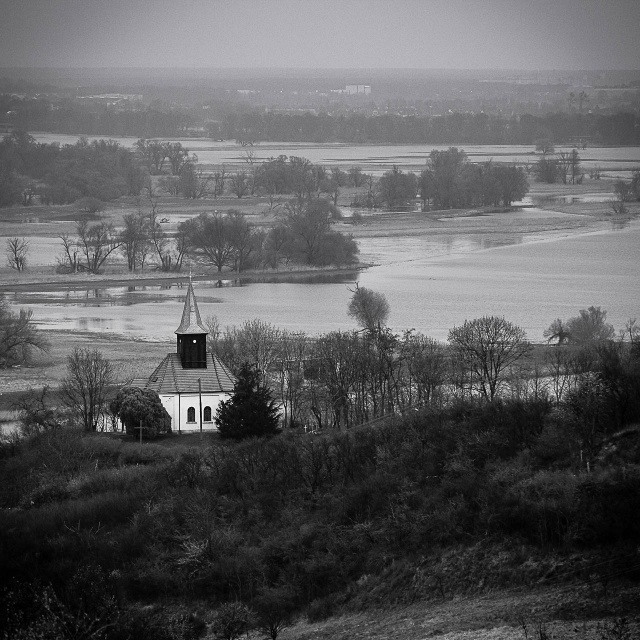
(191, 383)
(122, 101)
(357, 89)
(354, 90)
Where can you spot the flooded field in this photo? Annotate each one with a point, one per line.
(613, 161)
(531, 265)
(432, 282)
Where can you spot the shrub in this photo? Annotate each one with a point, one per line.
(274, 607)
(141, 409)
(188, 470)
(90, 205)
(232, 620)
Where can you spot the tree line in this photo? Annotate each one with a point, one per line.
(58, 174)
(152, 121)
(302, 236)
(467, 128)
(449, 181)
(239, 122)
(102, 170)
(345, 378)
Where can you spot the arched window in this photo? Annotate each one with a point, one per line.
(191, 414)
(207, 414)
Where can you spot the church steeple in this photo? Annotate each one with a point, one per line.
(192, 335)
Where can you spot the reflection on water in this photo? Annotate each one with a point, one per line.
(93, 324)
(621, 222)
(146, 294)
(432, 283)
(540, 201)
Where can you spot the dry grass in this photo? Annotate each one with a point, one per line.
(131, 357)
(565, 614)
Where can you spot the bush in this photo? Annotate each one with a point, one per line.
(141, 409)
(232, 620)
(188, 470)
(90, 205)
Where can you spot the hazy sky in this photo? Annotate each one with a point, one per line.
(455, 34)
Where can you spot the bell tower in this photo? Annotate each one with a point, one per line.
(192, 335)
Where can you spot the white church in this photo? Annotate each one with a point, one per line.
(191, 383)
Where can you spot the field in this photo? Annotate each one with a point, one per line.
(584, 208)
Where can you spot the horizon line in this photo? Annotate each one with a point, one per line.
(276, 68)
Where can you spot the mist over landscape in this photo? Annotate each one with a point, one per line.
(318, 319)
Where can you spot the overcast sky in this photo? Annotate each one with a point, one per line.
(439, 34)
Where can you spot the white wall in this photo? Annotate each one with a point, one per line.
(178, 405)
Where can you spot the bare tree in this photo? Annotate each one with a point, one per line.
(288, 372)
(170, 185)
(85, 389)
(96, 243)
(70, 259)
(258, 342)
(153, 153)
(135, 239)
(194, 183)
(623, 193)
(427, 366)
(246, 138)
(213, 325)
(18, 336)
(575, 169)
(563, 160)
(17, 250)
(488, 347)
(239, 183)
(242, 237)
(356, 177)
(545, 146)
(209, 236)
(37, 412)
(558, 369)
(309, 223)
(372, 191)
(178, 157)
(219, 181)
(181, 247)
(249, 156)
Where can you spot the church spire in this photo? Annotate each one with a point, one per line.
(192, 335)
(191, 322)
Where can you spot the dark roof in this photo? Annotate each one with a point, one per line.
(170, 377)
(191, 322)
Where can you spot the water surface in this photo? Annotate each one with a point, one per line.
(432, 283)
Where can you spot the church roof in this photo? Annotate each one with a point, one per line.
(191, 322)
(170, 377)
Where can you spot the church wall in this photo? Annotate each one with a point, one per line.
(178, 408)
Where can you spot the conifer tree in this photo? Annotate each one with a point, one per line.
(251, 411)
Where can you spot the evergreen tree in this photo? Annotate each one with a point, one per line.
(251, 411)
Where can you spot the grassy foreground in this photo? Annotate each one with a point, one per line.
(468, 522)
